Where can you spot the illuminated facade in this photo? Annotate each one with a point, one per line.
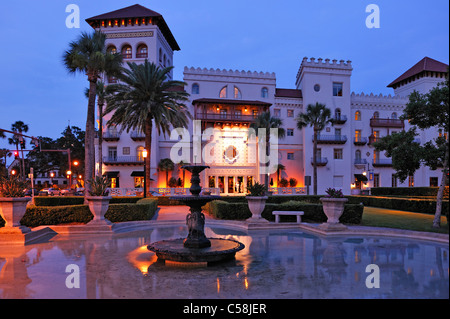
(227, 101)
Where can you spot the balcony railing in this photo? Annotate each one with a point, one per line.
(360, 140)
(142, 55)
(382, 162)
(340, 119)
(377, 122)
(225, 117)
(360, 161)
(320, 161)
(137, 136)
(127, 160)
(111, 136)
(331, 139)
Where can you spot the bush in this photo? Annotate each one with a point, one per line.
(292, 182)
(58, 200)
(313, 212)
(54, 215)
(406, 191)
(284, 182)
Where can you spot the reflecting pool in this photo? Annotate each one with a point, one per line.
(277, 264)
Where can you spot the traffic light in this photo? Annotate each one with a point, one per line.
(22, 143)
(16, 154)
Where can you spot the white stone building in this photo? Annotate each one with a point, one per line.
(228, 101)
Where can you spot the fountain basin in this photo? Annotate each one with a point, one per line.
(174, 250)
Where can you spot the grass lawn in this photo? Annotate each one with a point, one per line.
(381, 217)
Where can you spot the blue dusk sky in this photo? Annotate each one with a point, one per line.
(263, 35)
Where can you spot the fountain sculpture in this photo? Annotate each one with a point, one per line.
(196, 247)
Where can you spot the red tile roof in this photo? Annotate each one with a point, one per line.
(426, 64)
(137, 11)
(293, 93)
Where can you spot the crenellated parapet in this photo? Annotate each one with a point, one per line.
(228, 73)
(380, 101)
(324, 65)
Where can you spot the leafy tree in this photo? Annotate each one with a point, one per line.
(266, 121)
(146, 99)
(166, 165)
(19, 127)
(88, 56)
(316, 116)
(423, 111)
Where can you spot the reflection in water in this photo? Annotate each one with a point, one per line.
(288, 264)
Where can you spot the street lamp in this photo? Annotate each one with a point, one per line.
(52, 174)
(69, 176)
(144, 155)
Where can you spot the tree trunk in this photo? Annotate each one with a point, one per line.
(440, 194)
(89, 150)
(315, 162)
(100, 137)
(148, 147)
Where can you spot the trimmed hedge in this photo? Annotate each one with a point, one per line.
(425, 206)
(313, 212)
(35, 216)
(406, 191)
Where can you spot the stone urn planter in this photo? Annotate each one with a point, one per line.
(12, 209)
(98, 205)
(333, 209)
(256, 205)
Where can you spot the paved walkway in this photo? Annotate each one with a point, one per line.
(174, 213)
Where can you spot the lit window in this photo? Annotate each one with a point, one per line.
(223, 93)
(111, 49)
(264, 93)
(357, 135)
(290, 113)
(357, 116)
(237, 93)
(142, 51)
(126, 52)
(195, 88)
(290, 132)
(337, 89)
(376, 115)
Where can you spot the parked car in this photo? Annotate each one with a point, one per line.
(28, 192)
(50, 191)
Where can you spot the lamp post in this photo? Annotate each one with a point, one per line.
(69, 177)
(51, 177)
(144, 155)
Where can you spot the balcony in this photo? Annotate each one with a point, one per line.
(360, 141)
(320, 161)
(123, 160)
(359, 162)
(111, 136)
(340, 119)
(395, 123)
(331, 139)
(225, 117)
(137, 136)
(382, 162)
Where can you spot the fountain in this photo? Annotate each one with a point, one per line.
(196, 247)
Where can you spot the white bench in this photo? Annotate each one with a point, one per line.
(277, 214)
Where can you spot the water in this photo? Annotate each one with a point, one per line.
(281, 265)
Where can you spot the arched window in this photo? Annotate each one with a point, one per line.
(160, 55)
(264, 93)
(237, 93)
(142, 52)
(223, 93)
(358, 154)
(139, 155)
(337, 114)
(376, 115)
(357, 116)
(127, 51)
(394, 116)
(111, 49)
(165, 60)
(195, 88)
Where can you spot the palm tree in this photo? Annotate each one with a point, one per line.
(180, 165)
(147, 98)
(88, 55)
(317, 116)
(19, 127)
(101, 95)
(266, 121)
(166, 165)
(279, 167)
